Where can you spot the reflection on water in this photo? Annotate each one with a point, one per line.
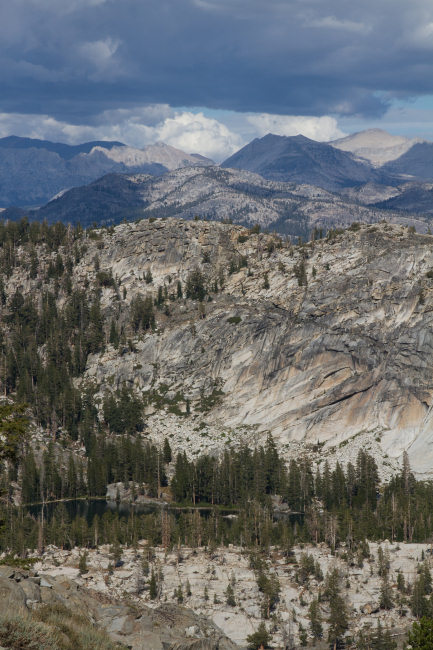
(91, 507)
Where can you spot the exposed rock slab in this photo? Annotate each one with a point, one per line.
(351, 352)
(168, 627)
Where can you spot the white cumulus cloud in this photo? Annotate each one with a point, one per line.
(193, 132)
(196, 133)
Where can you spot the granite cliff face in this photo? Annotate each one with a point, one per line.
(328, 345)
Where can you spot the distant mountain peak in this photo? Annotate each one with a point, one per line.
(64, 150)
(375, 145)
(281, 138)
(375, 133)
(158, 153)
(301, 160)
(33, 171)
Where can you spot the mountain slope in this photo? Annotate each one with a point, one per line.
(301, 160)
(33, 171)
(327, 345)
(416, 163)
(65, 151)
(375, 145)
(411, 197)
(214, 193)
(159, 153)
(104, 201)
(349, 352)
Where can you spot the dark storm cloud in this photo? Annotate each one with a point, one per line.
(75, 58)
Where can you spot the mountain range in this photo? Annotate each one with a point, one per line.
(217, 194)
(301, 160)
(291, 184)
(372, 156)
(33, 171)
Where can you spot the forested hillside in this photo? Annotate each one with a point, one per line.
(223, 373)
(71, 432)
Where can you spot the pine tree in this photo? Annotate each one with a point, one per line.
(160, 297)
(381, 640)
(315, 620)
(419, 604)
(401, 586)
(303, 637)
(152, 586)
(72, 477)
(230, 596)
(116, 552)
(13, 430)
(338, 617)
(195, 285)
(166, 453)
(114, 335)
(178, 594)
(95, 331)
(388, 643)
(148, 277)
(300, 272)
(30, 479)
(421, 635)
(82, 564)
(34, 264)
(385, 599)
(259, 639)
(426, 575)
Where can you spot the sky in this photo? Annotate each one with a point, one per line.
(208, 76)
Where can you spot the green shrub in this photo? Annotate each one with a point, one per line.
(19, 562)
(195, 285)
(51, 627)
(104, 279)
(260, 638)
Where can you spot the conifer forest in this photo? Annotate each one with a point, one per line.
(66, 440)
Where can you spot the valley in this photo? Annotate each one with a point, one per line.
(255, 406)
(216, 325)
